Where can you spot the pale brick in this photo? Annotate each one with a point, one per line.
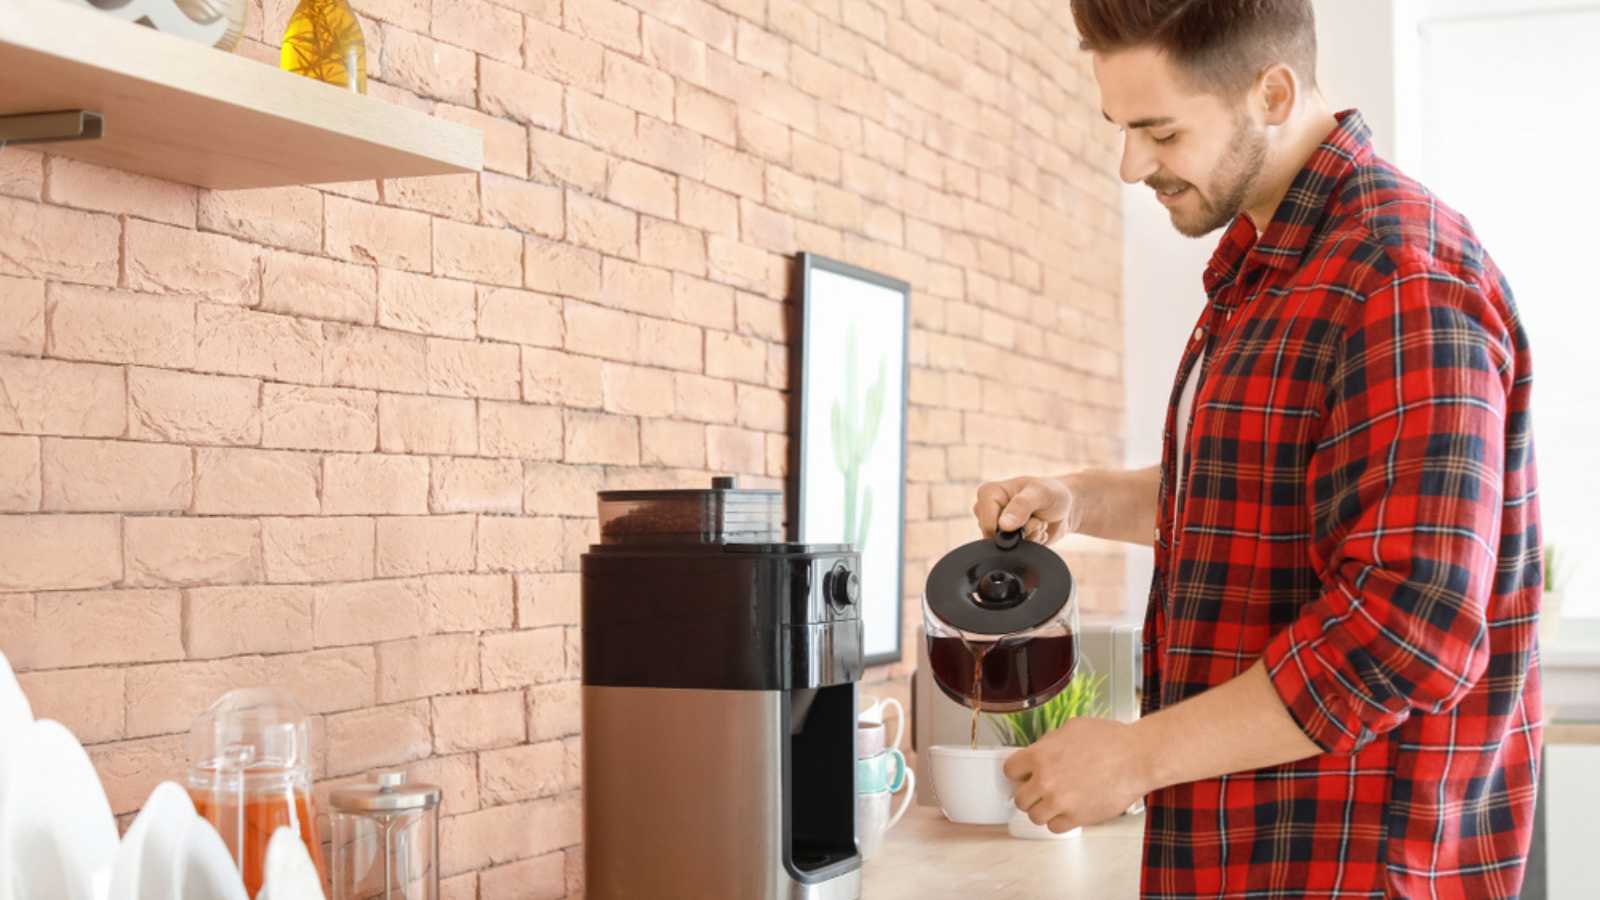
(468, 602)
(504, 834)
(519, 544)
(644, 189)
(368, 611)
(548, 599)
(16, 630)
(526, 206)
(90, 702)
(232, 621)
(325, 681)
(162, 698)
(637, 391)
(474, 369)
(606, 21)
(735, 357)
(355, 356)
(313, 549)
(476, 485)
(428, 67)
(509, 92)
(778, 450)
(59, 244)
(477, 253)
(554, 711)
(563, 57)
(478, 722)
(671, 51)
(255, 482)
(559, 268)
(287, 217)
(602, 226)
(427, 667)
(191, 551)
(638, 86)
(241, 342)
(519, 430)
(764, 228)
(705, 113)
(426, 425)
(523, 658)
(574, 639)
(738, 172)
(739, 265)
(671, 345)
(522, 317)
(115, 476)
(21, 316)
(21, 486)
(793, 20)
(193, 409)
(641, 289)
(679, 445)
(735, 450)
(560, 489)
(762, 49)
(368, 739)
(457, 780)
(674, 246)
(598, 331)
(22, 174)
(394, 238)
(106, 627)
(603, 439)
(426, 305)
(599, 122)
(100, 325)
(455, 196)
(553, 377)
(707, 208)
(316, 288)
(702, 399)
(557, 160)
(166, 260)
(307, 418)
(88, 186)
(763, 409)
(375, 485)
(703, 303)
(425, 545)
(53, 553)
(130, 770)
(542, 878)
(490, 30)
(523, 773)
(412, 15)
(667, 146)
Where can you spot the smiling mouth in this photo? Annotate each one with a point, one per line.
(1168, 197)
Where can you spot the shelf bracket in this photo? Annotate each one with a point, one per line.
(51, 127)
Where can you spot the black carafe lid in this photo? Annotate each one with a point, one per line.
(998, 587)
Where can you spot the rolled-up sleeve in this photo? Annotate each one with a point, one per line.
(1404, 488)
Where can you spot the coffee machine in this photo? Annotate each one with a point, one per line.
(719, 679)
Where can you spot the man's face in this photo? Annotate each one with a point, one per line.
(1200, 152)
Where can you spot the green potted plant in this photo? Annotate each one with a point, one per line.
(1081, 697)
(1558, 567)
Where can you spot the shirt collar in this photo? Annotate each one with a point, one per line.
(1288, 236)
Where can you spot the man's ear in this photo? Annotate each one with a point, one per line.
(1277, 91)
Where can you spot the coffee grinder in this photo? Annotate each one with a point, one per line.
(719, 679)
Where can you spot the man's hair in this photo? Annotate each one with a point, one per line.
(1222, 44)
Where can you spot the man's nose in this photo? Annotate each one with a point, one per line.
(1137, 164)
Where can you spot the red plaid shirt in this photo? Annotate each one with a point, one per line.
(1359, 511)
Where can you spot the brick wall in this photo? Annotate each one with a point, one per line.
(347, 439)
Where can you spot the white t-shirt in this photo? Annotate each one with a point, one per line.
(1185, 405)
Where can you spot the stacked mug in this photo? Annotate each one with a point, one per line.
(881, 772)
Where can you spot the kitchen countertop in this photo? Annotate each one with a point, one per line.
(926, 857)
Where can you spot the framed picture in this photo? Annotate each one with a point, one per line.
(849, 466)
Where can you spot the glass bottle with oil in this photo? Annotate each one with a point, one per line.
(324, 41)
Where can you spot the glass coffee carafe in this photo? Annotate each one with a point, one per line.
(250, 773)
(1001, 618)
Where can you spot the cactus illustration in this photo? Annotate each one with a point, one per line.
(855, 430)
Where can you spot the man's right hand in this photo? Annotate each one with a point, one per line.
(1044, 508)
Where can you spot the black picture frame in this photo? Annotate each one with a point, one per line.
(813, 348)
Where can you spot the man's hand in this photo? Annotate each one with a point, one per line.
(1044, 508)
(1085, 772)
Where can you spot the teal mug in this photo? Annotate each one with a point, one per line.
(885, 771)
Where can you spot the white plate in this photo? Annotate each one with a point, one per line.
(147, 859)
(206, 870)
(59, 837)
(290, 874)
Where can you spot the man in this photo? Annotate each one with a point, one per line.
(1341, 697)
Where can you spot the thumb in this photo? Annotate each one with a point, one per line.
(1023, 505)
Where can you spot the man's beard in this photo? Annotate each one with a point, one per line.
(1231, 183)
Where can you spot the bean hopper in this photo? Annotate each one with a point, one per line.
(719, 696)
(1001, 619)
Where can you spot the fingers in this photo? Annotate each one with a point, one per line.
(1018, 766)
(1023, 504)
(1063, 824)
(992, 498)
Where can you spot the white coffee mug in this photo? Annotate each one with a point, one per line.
(873, 818)
(869, 708)
(971, 784)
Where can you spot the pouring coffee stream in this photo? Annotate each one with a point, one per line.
(1000, 617)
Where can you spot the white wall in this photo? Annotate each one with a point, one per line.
(1162, 292)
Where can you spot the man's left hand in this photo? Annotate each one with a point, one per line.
(1084, 772)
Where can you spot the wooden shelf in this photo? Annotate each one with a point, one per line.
(177, 110)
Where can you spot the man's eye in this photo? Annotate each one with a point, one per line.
(1167, 139)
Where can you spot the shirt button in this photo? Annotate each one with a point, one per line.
(1158, 535)
(1199, 333)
